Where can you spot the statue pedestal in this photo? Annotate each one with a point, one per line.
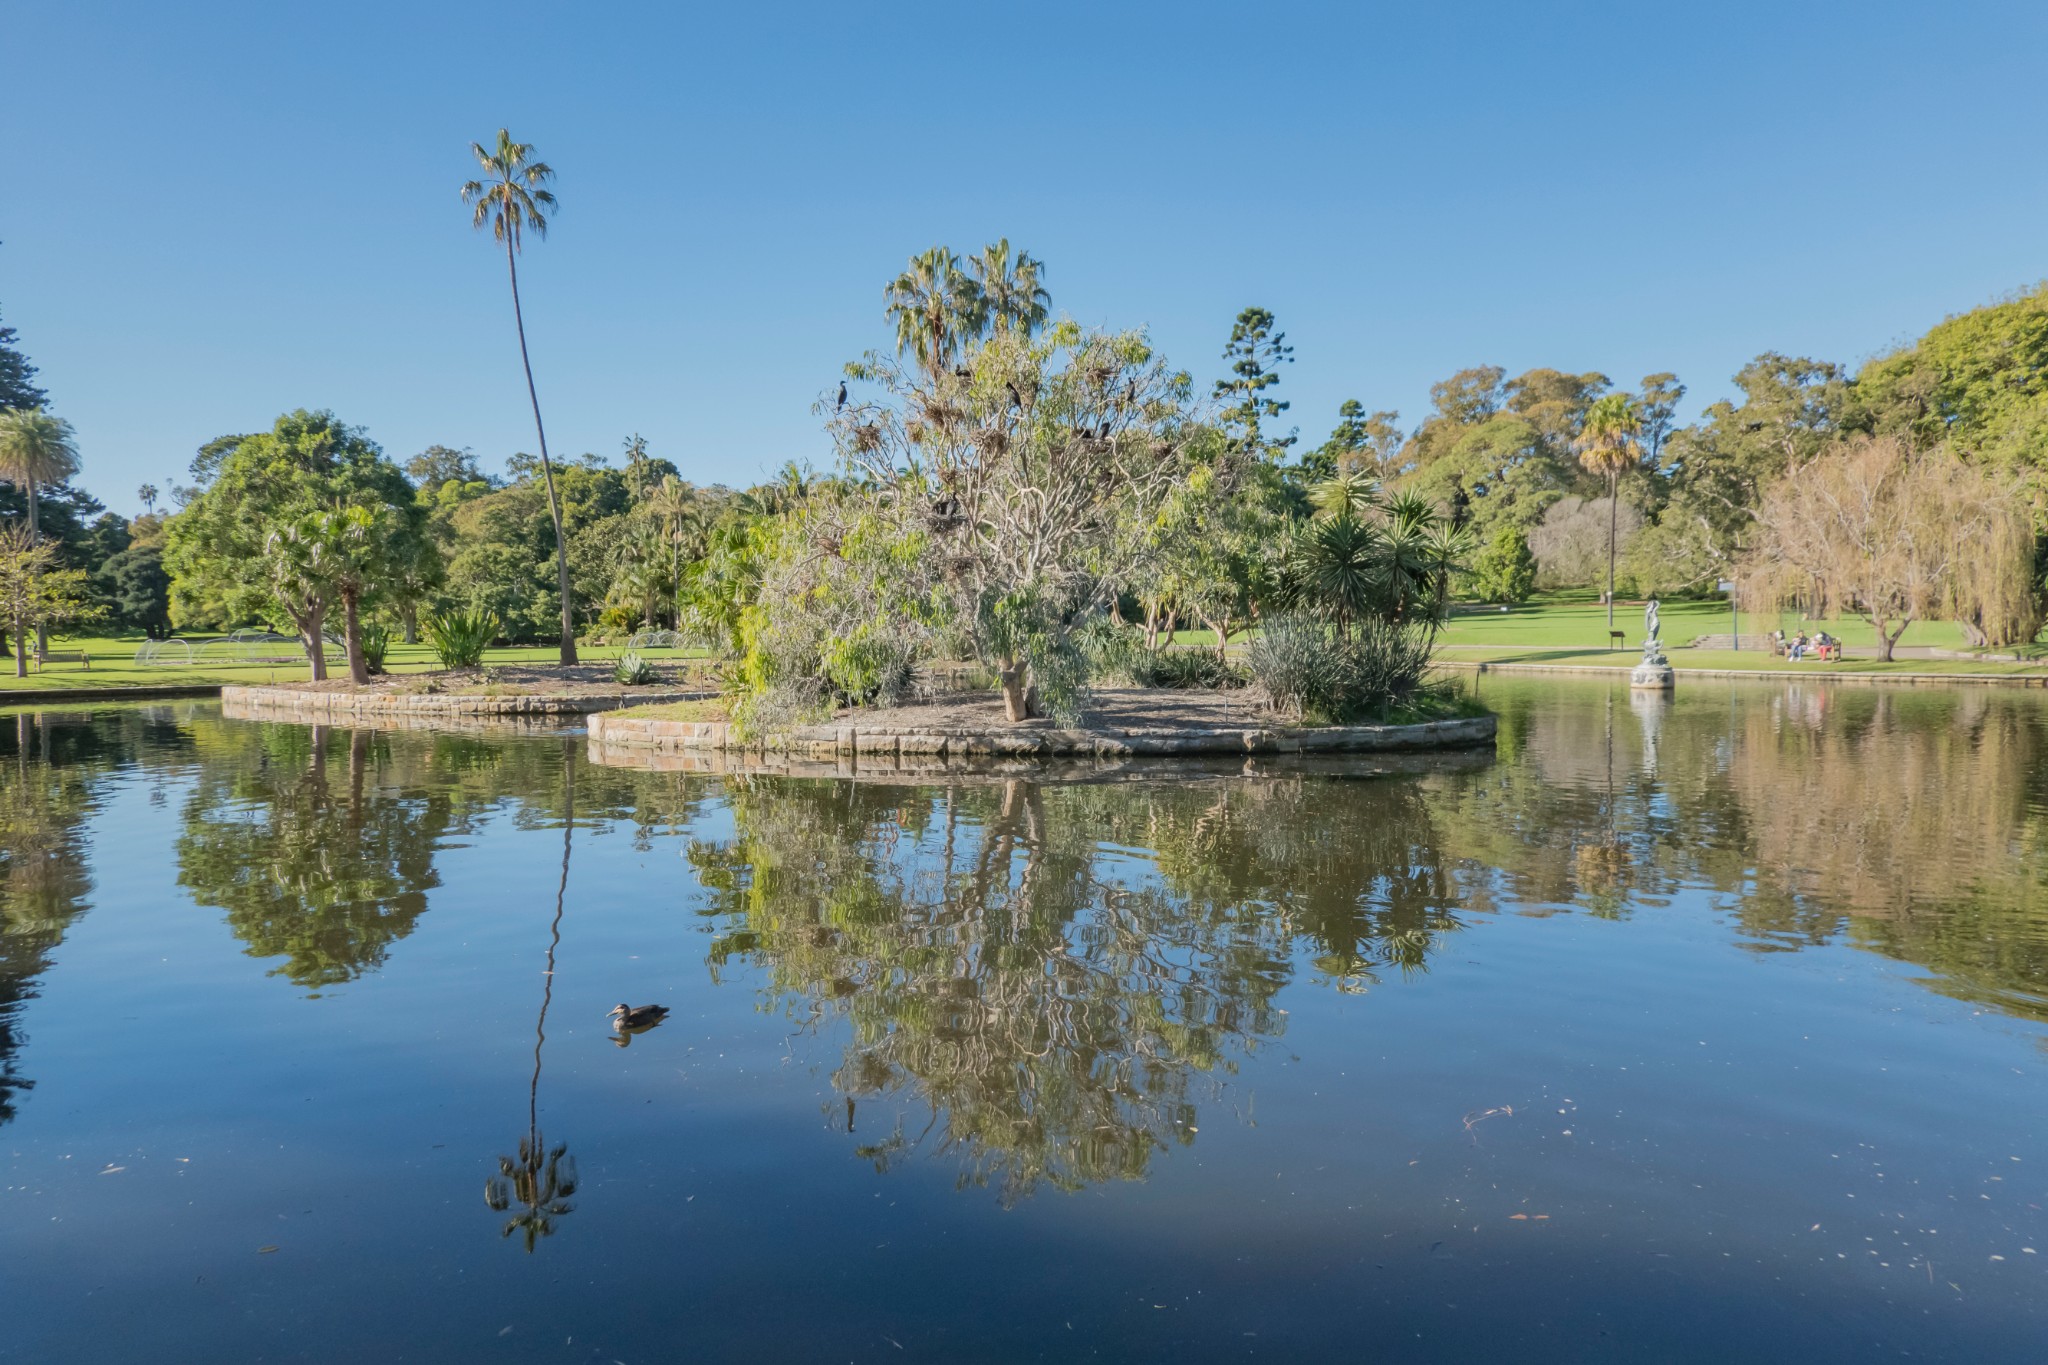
(1652, 675)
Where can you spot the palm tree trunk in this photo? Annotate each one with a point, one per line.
(547, 470)
(1613, 510)
(35, 534)
(352, 640)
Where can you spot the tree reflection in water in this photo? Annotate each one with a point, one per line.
(541, 1179)
(327, 880)
(1009, 966)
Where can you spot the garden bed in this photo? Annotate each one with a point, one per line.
(1121, 723)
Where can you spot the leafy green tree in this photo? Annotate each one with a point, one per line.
(504, 557)
(438, 465)
(36, 449)
(1218, 536)
(1658, 401)
(138, 589)
(1255, 353)
(1609, 446)
(1716, 470)
(1505, 571)
(513, 199)
(207, 461)
(35, 592)
(247, 546)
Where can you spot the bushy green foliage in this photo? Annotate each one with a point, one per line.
(1193, 668)
(459, 638)
(376, 643)
(1310, 670)
(1505, 571)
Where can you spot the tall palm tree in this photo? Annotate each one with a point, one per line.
(935, 306)
(36, 449)
(1608, 445)
(513, 198)
(1013, 299)
(674, 504)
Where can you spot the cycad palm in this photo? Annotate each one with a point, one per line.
(36, 449)
(1013, 299)
(513, 199)
(935, 307)
(1608, 446)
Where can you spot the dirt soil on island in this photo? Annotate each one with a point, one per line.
(1110, 708)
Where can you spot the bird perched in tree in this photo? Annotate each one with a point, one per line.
(1016, 399)
(842, 397)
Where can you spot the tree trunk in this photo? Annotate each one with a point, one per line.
(409, 617)
(547, 470)
(1613, 509)
(311, 628)
(35, 534)
(21, 653)
(352, 640)
(1014, 676)
(1888, 638)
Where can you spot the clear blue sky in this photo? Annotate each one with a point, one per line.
(215, 212)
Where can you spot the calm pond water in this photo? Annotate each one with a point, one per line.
(1693, 1032)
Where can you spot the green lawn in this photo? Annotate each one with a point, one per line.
(1578, 620)
(113, 665)
(1747, 661)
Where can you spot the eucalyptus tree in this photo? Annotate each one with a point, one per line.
(936, 306)
(1609, 446)
(36, 449)
(512, 199)
(1013, 298)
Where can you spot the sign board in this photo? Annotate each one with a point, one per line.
(1725, 585)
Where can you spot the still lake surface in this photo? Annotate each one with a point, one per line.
(1692, 1031)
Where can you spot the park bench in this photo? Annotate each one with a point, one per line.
(1618, 638)
(61, 656)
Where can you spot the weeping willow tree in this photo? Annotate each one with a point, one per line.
(1872, 527)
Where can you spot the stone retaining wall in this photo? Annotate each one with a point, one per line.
(337, 707)
(891, 746)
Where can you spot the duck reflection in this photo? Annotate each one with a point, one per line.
(540, 1180)
(1026, 993)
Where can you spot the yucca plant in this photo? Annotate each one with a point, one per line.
(634, 671)
(376, 640)
(459, 638)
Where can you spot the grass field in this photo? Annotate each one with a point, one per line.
(1574, 626)
(113, 665)
(1566, 629)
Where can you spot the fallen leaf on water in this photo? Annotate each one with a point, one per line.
(111, 1169)
(1522, 1216)
(264, 1251)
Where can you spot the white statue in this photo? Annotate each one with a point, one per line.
(1650, 621)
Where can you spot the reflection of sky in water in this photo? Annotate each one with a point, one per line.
(1202, 1068)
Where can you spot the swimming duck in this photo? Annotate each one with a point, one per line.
(637, 1017)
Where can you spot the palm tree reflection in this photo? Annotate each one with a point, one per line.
(541, 1179)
